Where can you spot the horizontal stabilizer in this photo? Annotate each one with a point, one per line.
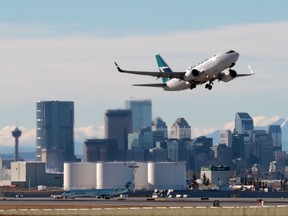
(159, 85)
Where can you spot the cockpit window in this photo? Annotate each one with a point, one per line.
(230, 51)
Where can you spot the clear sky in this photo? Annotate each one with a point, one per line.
(64, 50)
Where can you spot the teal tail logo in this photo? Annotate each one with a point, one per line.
(163, 67)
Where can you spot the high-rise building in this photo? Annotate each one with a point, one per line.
(180, 129)
(157, 155)
(55, 133)
(117, 126)
(276, 135)
(99, 150)
(226, 137)
(173, 150)
(141, 114)
(142, 140)
(243, 123)
(176, 149)
(199, 153)
(263, 148)
(159, 129)
(224, 155)
(238, 147)
(242, 136)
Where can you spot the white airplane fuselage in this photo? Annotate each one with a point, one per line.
(208, 69)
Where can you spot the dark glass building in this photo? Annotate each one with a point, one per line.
(141, 114)
(118, 123)
(99, 150)
(55, 133)
(275, 133)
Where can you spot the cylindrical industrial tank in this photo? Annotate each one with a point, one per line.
(141, 176)
(79, 175)
(114, 174)
(167, 175)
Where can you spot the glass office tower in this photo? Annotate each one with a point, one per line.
(55, 133)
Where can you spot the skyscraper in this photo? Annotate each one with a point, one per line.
(55, 133)
(99, 150)
(243, 123)
(263, 148)
(275, 133)
(238, 147)
(180, 129)
(117, 127)
(242, 136)
(226, 137)
(142, 140)
(141, 114)
(159, 129)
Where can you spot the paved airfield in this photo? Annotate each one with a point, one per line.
(12, 203)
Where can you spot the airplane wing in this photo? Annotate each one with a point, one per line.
(229, 75)
(178, 75)
(160, 85)
(250, 74)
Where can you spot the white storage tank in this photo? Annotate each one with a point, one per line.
(114, 174)
(167, 175)
(79, 175)
(141, 176)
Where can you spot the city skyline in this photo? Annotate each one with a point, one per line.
(65, 51)
(28, 138)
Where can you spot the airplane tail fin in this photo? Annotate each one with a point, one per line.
(163, 67)
(129, 185)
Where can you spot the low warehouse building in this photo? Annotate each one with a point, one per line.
(32, 174)
(217, 175)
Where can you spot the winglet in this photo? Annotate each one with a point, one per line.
(251, 71)
(118, 68)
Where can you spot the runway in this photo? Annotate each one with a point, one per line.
(142, 207)
(11, 203)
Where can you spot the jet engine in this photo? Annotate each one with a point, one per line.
(195, 72)
(228, 75)
(191, 73)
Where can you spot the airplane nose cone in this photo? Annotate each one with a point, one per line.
(236, 55)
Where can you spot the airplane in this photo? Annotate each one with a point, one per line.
(100, 193)
(218, 67)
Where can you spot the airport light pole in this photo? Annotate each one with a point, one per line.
(134, 167)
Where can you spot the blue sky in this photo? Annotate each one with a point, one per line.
(122, 18)
(64, 50)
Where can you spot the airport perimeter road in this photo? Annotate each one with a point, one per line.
(19, 203)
